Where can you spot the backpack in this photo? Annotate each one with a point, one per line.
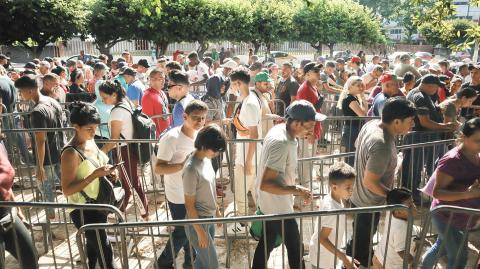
(143, 128)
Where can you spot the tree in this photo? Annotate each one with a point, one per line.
(453, 34)
(388, 9)
(112, 21)
(36, 23)
(270, 22)
(329, 22)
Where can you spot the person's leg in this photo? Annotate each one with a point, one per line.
(18, 242)
(178, 237)
(241, 188)
(94, 251)
(118, 156)
(455, 249)
(293, 245)
(359, 246)
(260, 258)
(47, 188)
(132, 169)
(206, 257)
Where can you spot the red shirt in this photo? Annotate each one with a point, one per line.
(310, 93)
(156, 103)
(7, 173)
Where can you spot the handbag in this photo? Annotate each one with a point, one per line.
(256, 229)
(109, 193)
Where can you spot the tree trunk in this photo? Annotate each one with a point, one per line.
(318, 48)
(256, 47)
(161, 47)
(330, 46)
(202, 49)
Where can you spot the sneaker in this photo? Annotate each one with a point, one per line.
(236, 228)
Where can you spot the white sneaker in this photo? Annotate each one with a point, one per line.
(236, 229)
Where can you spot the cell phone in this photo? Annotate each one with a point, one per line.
(116, 165)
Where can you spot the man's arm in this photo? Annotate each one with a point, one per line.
(427, 123)
(163, 167)
(271, 184)
(372, 182)
(250, 158)
(40, 138)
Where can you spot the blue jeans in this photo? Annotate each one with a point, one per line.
(206, 257)
(179, 239)
(349, 136)
(452, 246)
(47, 187)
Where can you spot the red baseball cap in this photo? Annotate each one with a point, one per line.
(388, 77)
(356, 59)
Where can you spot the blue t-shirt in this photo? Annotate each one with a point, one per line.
(135, 91)
(179, 109)
(104, 111)
(379, 103)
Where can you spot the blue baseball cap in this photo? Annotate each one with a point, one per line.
(304, 111)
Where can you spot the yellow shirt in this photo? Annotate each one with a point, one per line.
(84, 169)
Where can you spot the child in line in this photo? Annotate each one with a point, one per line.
(329, 238)
(398, 233)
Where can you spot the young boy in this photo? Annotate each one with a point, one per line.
(326, 243)
(398, 233)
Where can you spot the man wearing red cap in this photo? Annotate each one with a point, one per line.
(390, 88)
(354, 65)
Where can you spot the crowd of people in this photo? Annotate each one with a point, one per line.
(197, 104)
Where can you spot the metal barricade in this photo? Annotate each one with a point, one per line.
(57, 250)
(244, 250)
(460, 238)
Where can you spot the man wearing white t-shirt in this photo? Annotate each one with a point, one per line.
(197, 70)
(173, 150)
(275, 184)
(247, 122)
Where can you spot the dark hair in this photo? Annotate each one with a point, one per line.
(58, 70)
(75, 74)
(103, 57)
(211, 137)
(174, 65)
(240, 74)
(99, 66)
(192, 55)
(208, 61)
(121, 59)
(339, 172)
(195, 105)
(178, 77)
(50, 76)
(470, 127)
(466, 92)
(397, 108)
(398, 196)
(82, 113)
(408, 77)
(71, 63)
(111, 87)
(26, 82)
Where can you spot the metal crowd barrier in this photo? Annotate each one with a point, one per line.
(243, 251)
(57, 249)
(458, 221)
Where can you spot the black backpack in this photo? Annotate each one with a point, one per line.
(143, 128)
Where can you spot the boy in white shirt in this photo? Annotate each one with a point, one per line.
(398, 233)
(326, 243)
(174, 148)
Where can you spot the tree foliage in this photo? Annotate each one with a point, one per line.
(328, 22)
(452, 35)
(111, 21)
(36, 23)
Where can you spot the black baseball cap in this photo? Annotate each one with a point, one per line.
(144, 63)
(312, 67)
(30, 65)
(128, 71)
(304, 111)
(432, 79)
